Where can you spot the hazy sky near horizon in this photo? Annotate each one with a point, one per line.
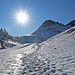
(40, 10)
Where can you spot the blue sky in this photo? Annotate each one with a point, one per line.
(58, 10)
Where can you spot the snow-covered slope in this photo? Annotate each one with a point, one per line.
(56, 56)
(48, 29)
(10, 57)
(7, 40)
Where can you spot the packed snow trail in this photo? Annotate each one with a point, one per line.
(56, 56)
(9, 58)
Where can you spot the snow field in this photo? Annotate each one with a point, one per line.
(56, 56)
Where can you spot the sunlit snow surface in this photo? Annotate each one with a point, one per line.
(56, 56)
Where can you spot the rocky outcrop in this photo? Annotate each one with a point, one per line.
(72, 23)
(48, 23)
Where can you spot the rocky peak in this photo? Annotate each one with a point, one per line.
(72, 23)
(48, 23)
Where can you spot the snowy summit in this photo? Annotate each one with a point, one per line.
(48, 29)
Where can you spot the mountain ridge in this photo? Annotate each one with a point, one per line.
(72, 23)
(48, 29)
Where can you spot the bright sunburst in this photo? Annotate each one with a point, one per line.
(21, 17)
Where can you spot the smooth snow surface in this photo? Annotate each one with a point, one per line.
(56, 56)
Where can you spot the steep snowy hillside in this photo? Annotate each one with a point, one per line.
(48, 29)
(56, 56)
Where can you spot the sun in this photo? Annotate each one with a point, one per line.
(22, 17)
